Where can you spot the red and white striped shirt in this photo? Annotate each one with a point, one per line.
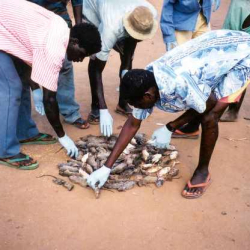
(35, 35)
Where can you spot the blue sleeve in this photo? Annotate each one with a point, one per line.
(76, 2)
(167, 26)
(141, 114)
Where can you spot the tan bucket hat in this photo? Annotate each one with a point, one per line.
(140, 23)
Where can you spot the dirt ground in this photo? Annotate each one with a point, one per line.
(38, 215)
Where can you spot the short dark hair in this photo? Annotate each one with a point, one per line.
(88, 36)
(136, 83)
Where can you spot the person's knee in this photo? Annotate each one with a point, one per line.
(210, 120)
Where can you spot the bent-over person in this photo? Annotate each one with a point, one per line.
(200, 77)
(40, 39)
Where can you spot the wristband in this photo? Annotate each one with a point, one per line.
(170, 128)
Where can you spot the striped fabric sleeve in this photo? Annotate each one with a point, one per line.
(45, 71)
(47, 62)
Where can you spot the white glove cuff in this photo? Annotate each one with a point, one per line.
(106, 169)
(124, 72)
(103, 111)
(62, 138)
(167, 130)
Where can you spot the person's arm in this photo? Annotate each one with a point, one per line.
(216, 4)
(166, 22)
(95, 70)
(33, 85)
(192, 114)
(162, 136)
(127, 55)
(52, 113)
(77, 10)
(101, 175)
(129, 130)
(37, 97)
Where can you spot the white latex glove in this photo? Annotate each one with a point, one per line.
(123, 73)
(99, 177)
(161, 137)
(106, 122)
(69, 145)
(38, 101)
(170, 46)
(216, 4)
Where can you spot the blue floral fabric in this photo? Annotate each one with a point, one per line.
(218, 61)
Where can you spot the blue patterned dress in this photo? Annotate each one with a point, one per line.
(218, 62)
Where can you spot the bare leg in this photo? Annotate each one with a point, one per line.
(209, 137)
(95, 103)
(95, 70)
(231, 114)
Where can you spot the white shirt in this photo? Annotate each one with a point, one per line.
(107, 16)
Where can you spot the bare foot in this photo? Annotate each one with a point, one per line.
(197, 185)
(229, 116)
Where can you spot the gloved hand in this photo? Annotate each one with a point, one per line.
(38, 100)
(69, 145)
(216, 4)
(99, 177)
(171, 45)
(106, 122)
(123, 73)
(161, 137)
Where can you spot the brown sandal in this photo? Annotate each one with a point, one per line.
(204, 187)
(93, 120)
(123, 112)
(80, 123)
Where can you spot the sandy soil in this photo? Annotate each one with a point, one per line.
(38, 215)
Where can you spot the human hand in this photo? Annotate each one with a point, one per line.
(99, 177)
(161, 137)
(69, 145)
(170, 46)
(216, 4)
(106, 122)
(38, 101)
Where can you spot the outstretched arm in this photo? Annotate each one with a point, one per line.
(95, 70)
(167, 25)
(129, 129)
(126, 51)
(52, 111)
(191, 114)
(162, 136)
(101, 175)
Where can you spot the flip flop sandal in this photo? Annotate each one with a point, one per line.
(120, 111)
(180, 134)
(18, 159)
(204, 187)
(40, 139)
(80, 123)
(93, 120)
